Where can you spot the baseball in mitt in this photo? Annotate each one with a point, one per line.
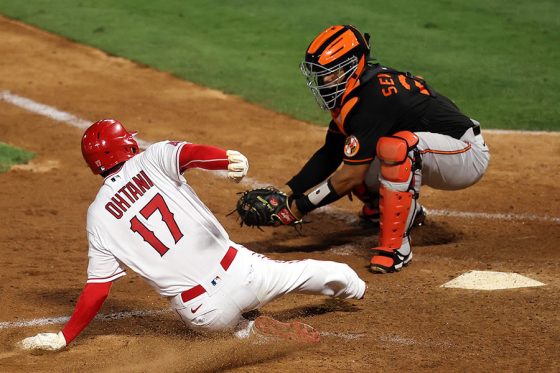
(265, 207)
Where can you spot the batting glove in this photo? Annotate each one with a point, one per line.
(238, 165)
(45, 341)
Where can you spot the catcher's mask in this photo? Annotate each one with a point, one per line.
(106, 143)
(333, 62)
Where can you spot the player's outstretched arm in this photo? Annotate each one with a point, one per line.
(341, 183)
(272, 207)
(212, 158)
(91, 299)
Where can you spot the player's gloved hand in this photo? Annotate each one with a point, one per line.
(238, 165)
(266, 207)
(45, 341)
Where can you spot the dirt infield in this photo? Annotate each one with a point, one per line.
(407, 321)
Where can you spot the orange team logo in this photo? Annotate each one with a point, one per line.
(351, 146)
(273, 201)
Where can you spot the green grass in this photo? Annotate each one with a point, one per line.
(10, 156)
(497, 59)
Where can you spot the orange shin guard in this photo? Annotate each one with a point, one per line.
(394, 207)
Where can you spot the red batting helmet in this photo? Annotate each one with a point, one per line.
(339, 49)
(106, 143)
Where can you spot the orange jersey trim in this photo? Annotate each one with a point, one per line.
(346, 109)
(358, 160)
(354, 80)
(448, 152)
(339, 116)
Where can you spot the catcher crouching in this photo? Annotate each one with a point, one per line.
(390, 132)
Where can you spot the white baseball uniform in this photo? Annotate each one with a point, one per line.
(147, 218)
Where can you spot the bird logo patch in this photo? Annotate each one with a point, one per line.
(351, 146)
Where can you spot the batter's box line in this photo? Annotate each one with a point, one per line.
(75, 121)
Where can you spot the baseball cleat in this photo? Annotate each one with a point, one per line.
(294, 331)
(386, 260)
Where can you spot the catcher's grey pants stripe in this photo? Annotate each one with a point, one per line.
(253, 280)
(447, 163)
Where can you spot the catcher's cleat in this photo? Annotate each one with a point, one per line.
(294, 331)
(385, 260)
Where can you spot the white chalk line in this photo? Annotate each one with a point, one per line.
(405, 341)
(348, 336)
(522, 132)
(45, 110)
(352, 218)
(494, 216)
(51, 112)
(61, 116)
(59, 320)
(63, 319)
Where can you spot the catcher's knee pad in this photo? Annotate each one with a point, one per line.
(395, 153)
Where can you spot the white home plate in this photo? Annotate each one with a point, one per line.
(490, 280)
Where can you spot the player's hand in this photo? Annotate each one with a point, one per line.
(45, 341)
(238, 165)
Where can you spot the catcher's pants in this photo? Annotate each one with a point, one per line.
(447, 163)
(252, 280)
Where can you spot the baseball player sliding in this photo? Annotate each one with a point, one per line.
(147, 218)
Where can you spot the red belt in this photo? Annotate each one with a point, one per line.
(194, 292)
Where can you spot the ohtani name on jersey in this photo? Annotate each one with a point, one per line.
(131, 192)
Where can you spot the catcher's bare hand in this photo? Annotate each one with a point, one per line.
(238, 165)
(265, 207)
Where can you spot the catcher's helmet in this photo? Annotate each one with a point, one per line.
(106, 143)
(340, 50)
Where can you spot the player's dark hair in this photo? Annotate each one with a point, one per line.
(112, 170)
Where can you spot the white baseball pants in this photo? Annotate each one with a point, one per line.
(253, 280)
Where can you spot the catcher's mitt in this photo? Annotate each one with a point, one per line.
(265, 207)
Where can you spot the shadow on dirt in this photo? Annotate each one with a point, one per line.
(322, 236)
(328, 306)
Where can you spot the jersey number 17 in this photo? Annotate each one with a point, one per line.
(157, 203)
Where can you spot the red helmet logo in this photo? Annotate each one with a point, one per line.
(106, 143)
